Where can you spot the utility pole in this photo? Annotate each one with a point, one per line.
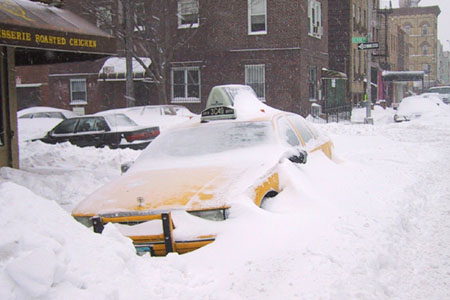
(129, 85)
(368, 119)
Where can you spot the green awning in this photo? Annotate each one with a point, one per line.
(331, 74)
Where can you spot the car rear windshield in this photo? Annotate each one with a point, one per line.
(440, 90)
(211, 138)
(119, 120)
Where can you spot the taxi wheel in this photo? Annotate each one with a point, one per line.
(267, 199)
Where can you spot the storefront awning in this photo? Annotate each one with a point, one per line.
(331, 74)
(114, 69)
(403, 75)
(44, 34)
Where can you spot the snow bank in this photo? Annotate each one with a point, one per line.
(373, 226)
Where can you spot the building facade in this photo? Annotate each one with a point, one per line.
(278, 48)
(420, 23)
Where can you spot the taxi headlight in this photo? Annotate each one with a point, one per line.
(211, 214)
(86, 221)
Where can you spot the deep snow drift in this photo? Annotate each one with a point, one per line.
(373, 224)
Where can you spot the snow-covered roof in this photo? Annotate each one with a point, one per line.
(115, 68)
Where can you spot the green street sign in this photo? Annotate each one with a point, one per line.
(359, 39)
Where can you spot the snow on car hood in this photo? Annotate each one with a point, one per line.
(417, 105)
(212, 182)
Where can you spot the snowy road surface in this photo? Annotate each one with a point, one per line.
(374, 224)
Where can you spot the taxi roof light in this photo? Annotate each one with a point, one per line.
(220, 104)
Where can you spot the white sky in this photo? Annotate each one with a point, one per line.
(443, 20)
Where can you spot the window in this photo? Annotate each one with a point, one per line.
(407, 28)
(302, 128)
(312, 83)
(188, 14)
(66, 126)
(255, 76)
(257, 17)
(139, 17)
(424, 29)
(425, 50)
(426, 68)
(78, 93)
(315, 18)
(186, 85)
(104, 18)
(287, 134)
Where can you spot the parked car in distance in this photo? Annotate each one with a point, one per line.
(113, 130)
(175, 194)
(163, 116)
(443, 91)
(413, 107)
(45, 112)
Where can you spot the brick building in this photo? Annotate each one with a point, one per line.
(277, 47)
(348, 19)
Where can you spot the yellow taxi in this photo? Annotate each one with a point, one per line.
(183, 184)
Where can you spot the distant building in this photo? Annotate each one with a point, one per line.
(443, 67)
(420, 23)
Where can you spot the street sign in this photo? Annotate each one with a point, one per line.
(368, 46)
(359, 39)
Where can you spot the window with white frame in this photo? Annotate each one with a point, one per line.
(186, 85)
(315, 18)
(104, 18)
(257, 17)
(188, 14)
(255, 76)
(78, 92)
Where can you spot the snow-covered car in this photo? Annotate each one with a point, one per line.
(174, 195)
(45, 112)
(443, 91)
(416, 106)
(163, 116)
(114, 131)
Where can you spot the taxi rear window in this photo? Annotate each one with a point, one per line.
(211, 138)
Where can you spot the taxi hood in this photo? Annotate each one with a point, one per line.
(159, 190)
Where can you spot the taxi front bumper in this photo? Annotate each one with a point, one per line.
(154, 244)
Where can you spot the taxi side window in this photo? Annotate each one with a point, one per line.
(302, 128)
(287, 134)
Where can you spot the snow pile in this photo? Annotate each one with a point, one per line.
(373, 226)
(30, 129)
(379, 115)
(66, 173)
(428, 107)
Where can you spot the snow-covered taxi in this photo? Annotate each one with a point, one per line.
(174, 195)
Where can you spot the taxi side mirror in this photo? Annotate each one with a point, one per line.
(300, 157)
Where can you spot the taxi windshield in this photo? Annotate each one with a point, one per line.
(211, 138)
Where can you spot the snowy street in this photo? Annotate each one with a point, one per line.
(372, 224)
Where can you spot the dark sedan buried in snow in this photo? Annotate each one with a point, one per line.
(114, 131)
